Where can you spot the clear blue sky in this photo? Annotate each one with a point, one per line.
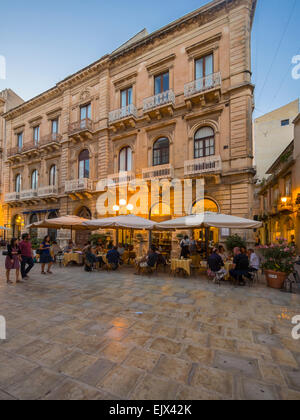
(43, 42)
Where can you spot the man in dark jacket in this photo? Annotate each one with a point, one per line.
(216, 264)
(113, 258)
(240, 266)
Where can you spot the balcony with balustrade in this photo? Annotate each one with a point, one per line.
(51, 142)
(29, 195)
(159, 105)
(202, 166)
(12, 197)
(204, 90)
(285, 204)
(122, 178)
(158, 172)
(79, 188)
(81, 130)
(14, 154)
(49, 192)
(122, 118)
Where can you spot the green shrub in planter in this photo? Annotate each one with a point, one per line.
(234, 241)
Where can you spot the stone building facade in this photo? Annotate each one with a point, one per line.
(280, 195)
(175, 103)
(8, 101)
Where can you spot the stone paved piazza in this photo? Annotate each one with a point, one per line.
(78, 335)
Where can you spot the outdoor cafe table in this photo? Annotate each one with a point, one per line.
(73, 257)
(182, 264)
(228, 265)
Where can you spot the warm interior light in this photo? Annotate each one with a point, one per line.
(130, 207)
(122, 202)
(284, 200)
(116, 208)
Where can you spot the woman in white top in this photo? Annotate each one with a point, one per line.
(254, 262)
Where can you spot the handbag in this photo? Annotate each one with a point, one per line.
(5, 253)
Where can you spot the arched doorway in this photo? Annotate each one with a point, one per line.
(17, 226)
(160, 212)
(82, 236)
(206, 236)
(33, 231)
(52, 232)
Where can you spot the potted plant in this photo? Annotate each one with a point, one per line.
(279, 262)
(234, 241)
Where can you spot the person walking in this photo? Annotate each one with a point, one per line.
(12, 261)
(26, 255)
(46, 255)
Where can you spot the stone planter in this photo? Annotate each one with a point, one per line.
(275, 279)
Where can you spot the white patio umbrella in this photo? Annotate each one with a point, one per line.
(207, 220)
(121, 222)
(64, 222)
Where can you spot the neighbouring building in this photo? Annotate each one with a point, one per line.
(8, 100)
(174, 103)
(280, 195)
(273, 132)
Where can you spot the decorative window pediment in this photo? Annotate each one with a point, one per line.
(204, 47)
(161, 65)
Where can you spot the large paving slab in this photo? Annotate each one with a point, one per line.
(103, 335)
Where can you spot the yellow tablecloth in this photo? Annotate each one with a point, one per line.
(72, 257)
(228, 266)
(183, 264)
(103, 257)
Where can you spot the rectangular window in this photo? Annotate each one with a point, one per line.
(126, 97)
(36, 134)
(20, 140)
(86, 112)
(54, 126)
(288, 186)
(285, 122)
(161, 83)
(204, 66)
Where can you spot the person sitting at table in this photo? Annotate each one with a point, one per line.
(193, 247)
(113, 258)
(69, 248)
(99, 248)
(86, 246)
(216, 264)
(185, 247)
(149, 261)
(55, 250)
(91, 258)
(121, 250)
(110, 245)
(221, 252)
(254, 262)
(240, 266)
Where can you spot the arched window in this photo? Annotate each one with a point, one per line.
(125, 159)
(52, 175)
(34, 180)
(33, 231)
(84, 164)
(18, 183)
(204, 142)
(161, 152)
